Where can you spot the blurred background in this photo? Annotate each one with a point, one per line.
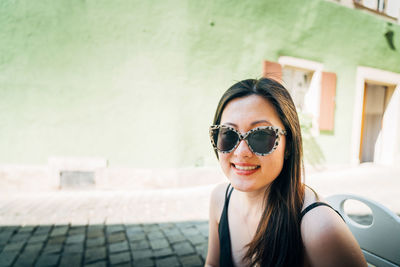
(105, 108)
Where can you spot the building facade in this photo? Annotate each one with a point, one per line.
(137, 82)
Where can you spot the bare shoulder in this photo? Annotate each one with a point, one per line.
(217, 200)
(318, 218)
(327, 239)
(216, 206)
(310, 196)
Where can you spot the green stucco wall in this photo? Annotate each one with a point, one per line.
(137, 82)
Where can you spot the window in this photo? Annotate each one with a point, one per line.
(298, 82)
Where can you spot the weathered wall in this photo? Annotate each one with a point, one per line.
(137, 82)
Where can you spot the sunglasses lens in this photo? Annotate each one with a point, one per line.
(225, 139)
(262, 141)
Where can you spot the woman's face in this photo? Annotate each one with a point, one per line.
(244, 114)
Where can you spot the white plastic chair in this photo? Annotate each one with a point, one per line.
(380, 241)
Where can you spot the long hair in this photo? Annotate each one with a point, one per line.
(277, 241)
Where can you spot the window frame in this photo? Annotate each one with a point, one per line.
(359, 4)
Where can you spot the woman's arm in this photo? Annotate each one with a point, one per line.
(328, 241)
(216, 205)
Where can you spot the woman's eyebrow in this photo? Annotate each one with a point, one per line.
(253, 123)
(261, 121)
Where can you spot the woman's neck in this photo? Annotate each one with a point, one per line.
(251, 203)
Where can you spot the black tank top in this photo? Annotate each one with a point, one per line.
(225, 255)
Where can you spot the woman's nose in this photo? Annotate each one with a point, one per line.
(243, 150)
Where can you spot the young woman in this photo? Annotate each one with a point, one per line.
(265, 216)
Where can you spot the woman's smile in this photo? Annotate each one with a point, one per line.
(245, 168)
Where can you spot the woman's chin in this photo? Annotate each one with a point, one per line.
(243, 186)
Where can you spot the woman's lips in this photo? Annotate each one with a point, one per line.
(245, 168)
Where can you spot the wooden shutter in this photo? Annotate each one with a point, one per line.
(327, 104)
(272, 70)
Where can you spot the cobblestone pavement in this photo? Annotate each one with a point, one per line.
(158, 244)
(105, 228)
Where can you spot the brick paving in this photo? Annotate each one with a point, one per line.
(104, 228)
(155, 244)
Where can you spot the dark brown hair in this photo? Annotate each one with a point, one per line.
(277, 241)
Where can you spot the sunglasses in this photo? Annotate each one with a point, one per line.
(261, 140)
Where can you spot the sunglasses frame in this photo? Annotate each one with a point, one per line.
(278, 132)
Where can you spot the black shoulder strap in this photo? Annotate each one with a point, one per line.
(228, 195)
(314, 205)
(225, 258)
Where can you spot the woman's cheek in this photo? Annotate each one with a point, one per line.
(224, 162)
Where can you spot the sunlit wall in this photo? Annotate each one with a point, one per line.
(137, 82)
